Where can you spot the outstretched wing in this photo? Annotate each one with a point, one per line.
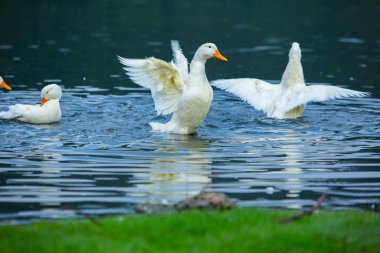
(162, 78)
(180, 61)
(258, 93)
(318, 93)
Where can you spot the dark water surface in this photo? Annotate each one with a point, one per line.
(102, 157)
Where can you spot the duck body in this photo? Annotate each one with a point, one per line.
(194, 104)
(288, 99)
(187, 95)
(192, 110)
(48, 111)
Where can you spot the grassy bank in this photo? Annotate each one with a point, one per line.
(239, 230)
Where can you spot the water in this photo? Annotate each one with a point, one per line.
(102, 157)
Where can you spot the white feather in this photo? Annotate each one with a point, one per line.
(260, 94)
(162, 78)
(180, 61)
(318, 93)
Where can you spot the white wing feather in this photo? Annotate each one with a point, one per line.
(162, 78)
(180, 61)
(318, 93)
(261, 95)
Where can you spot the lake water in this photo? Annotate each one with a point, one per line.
(102, 158)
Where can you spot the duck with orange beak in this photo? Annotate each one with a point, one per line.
(186, 94)
(4, 84)
(48, 111)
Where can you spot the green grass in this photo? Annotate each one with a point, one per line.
(239, 230)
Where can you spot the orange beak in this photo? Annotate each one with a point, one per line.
(6, 86)
(219, 56)
(43, 101)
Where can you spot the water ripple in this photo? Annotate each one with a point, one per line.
(103, 158)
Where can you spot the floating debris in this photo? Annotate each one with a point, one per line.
(203, 200)
(206, 200)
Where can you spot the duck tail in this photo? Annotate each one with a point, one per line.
(158, 127)
(6, 115)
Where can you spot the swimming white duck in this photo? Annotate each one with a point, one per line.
(4, 85)
(188, 95)
(48, 111)
(289, 98)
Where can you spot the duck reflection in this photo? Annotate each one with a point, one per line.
(48, 162)
(179, 168)
(292, 148)
(53, 126)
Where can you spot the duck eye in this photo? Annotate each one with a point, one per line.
(209, 46)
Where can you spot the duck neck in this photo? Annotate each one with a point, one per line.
(293, 73)
(197, 69)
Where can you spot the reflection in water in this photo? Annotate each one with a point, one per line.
(47, 160)
(292, 163)
(179, 168)
(54, 126)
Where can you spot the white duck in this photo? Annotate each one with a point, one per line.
(4, 85)
(48, 111)
(188, 95)
(289, 98)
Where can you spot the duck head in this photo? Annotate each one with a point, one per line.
(4, 85)
(49, 92)
(295, 52)
(209, 50)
